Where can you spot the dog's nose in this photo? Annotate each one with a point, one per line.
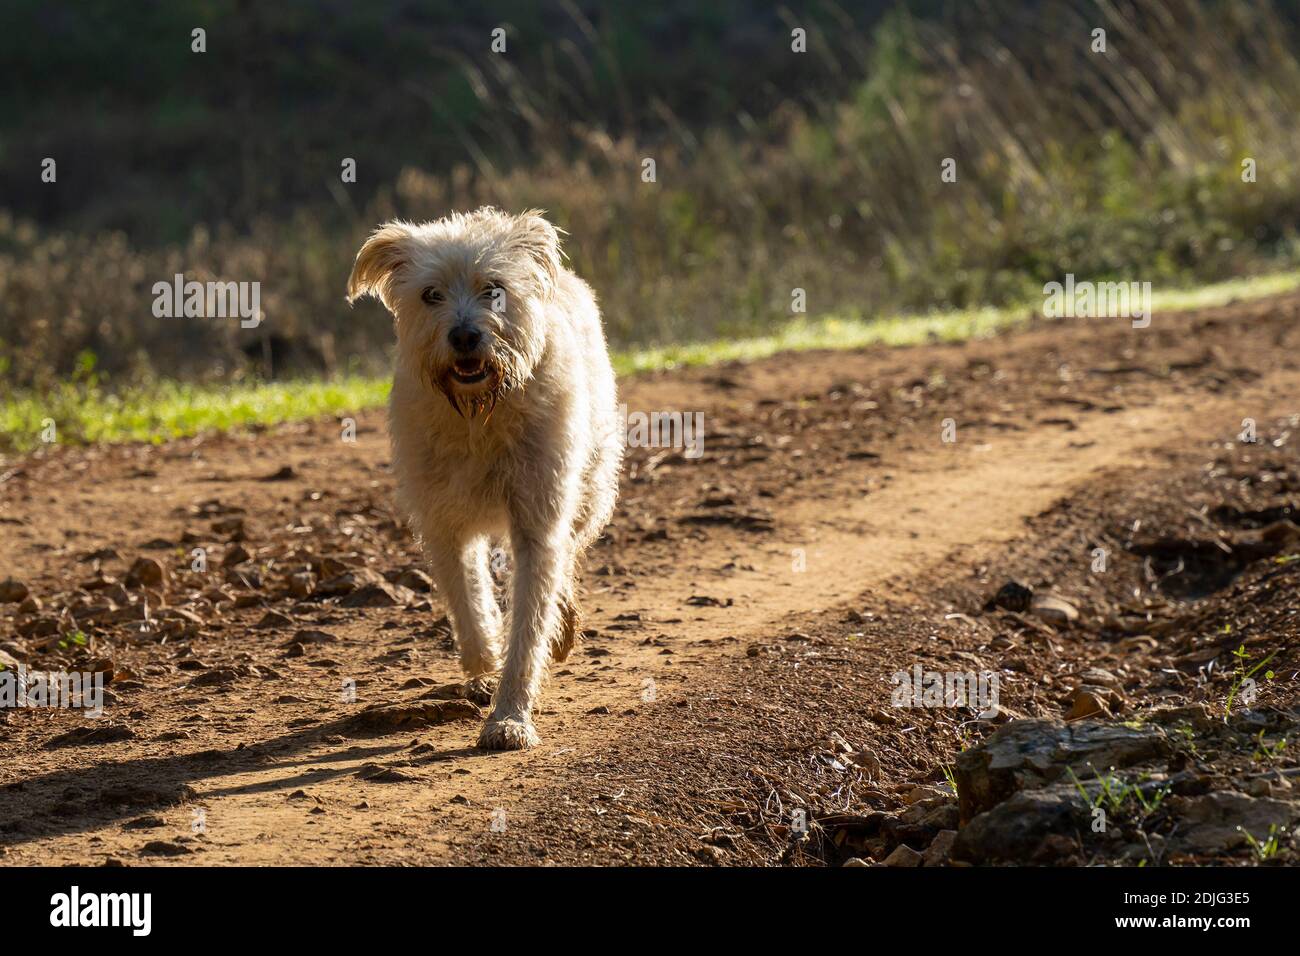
(465, 338)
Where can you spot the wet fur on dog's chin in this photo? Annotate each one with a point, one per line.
(482, 401)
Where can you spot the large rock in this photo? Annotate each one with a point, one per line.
(1220, 820)
(1027, 754)
(1018, 830)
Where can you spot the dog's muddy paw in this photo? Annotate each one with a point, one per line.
(508, 735)
(480, 690)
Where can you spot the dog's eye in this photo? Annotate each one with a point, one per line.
(431, 296)
(492, 288)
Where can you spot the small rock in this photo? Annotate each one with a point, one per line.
(917, 794)
(164, 848)
(1054, 610)
(346, 582)
(12, 591)
(302, 584)
(381, 594)
(940, 848)
(244, 577)
(234, 525)
(1139, 644)
(145, 823)
(903, 855)
(310, 636)
(1012, 596)
(145, 573)
(1088, 702)
(416, 580)
(84, 736)
(374, 773)
(237, 554)
(222, 675)
(1260, 787)
(392, 718)
(1100, 677)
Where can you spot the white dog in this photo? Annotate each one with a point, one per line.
(504, 422)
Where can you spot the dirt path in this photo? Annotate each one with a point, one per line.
(826, 488)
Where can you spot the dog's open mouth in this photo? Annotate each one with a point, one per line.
(468, 373)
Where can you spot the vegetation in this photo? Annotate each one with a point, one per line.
(82, 409)
(774, 171)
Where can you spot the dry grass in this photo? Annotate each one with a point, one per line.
(1123, 165)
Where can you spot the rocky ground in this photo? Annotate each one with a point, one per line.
(1100, 535)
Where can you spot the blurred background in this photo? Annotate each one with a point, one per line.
(775, 169)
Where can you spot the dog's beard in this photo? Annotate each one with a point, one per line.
(502, 377)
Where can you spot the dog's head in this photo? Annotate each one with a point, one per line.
(469, 296)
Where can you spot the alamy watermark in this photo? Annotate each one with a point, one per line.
(208, 300)
(684, 430)
(54, 689)
(74, 908)
(1098, 300)
(921, 688)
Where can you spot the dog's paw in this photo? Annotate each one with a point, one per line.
(480, 689)
(508, 735)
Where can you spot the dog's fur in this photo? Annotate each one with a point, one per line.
(530, 452)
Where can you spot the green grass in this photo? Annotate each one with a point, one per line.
(856, 332)
(89, 413)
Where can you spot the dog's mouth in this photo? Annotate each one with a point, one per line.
(473, 384)
(469, 371)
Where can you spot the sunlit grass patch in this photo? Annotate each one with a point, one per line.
(162, 410)
(850, 332)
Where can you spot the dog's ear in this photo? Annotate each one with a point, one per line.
(538, 239)
(386, 250)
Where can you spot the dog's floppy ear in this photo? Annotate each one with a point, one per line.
(380, 256)
(538, 239)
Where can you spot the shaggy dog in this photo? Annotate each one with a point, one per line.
(504, 423)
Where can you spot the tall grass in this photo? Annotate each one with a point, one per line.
(1125, 164)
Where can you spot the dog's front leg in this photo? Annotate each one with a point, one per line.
(541, 561)
(463, 577)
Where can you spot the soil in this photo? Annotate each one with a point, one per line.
(1071, 507)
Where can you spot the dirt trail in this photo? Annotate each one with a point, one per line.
(826, 486)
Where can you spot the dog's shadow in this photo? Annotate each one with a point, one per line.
(98, 794)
